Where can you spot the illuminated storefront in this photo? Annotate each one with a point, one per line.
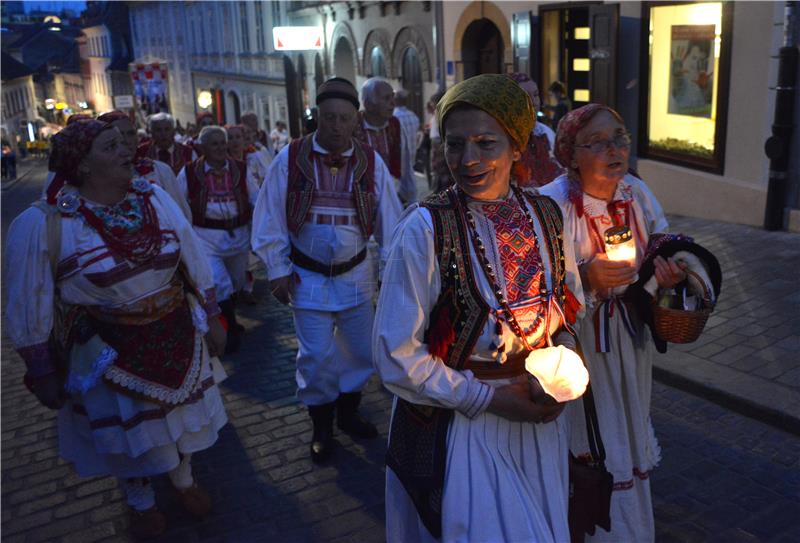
(685, 100)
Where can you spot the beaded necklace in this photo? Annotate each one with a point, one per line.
(505, 313)
(137, 246)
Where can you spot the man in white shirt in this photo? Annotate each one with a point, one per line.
(279, 136)
(221, 193)
(324, 197)
(162, 145)
(409, 128)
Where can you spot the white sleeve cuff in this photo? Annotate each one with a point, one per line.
(282, 270)
(477, 400)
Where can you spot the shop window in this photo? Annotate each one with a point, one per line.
(686, 67)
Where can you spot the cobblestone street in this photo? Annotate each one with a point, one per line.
(724, 477)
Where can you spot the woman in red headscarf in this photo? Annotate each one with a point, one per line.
(597, 193)
(111, 306)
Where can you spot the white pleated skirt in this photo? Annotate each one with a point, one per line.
(104, 432)
(504, 481)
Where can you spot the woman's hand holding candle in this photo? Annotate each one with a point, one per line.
(601, 273)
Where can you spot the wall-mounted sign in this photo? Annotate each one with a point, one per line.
(123, 101)
(297, 38)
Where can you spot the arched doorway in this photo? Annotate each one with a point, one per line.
(232, 108)
(377, 63)
(292, 97)
(482, 49)
(319, 72)
(411, 78)
(343, 60)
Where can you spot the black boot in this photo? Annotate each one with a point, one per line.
(233, 339)
(349, 420)
(322, 442)
(236, 326)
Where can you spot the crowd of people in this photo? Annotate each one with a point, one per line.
(127, 275)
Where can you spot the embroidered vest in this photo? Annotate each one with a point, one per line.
(392, 156)
(418, 435)
(181, 154)
(302, 181)
(197, 188)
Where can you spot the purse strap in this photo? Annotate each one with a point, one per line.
(596, 447)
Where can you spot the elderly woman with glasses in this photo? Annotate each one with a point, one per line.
(476, 285)
(598, 193)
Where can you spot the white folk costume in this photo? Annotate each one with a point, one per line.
(316, 212)
(258, 160)
(221, 202)
(454, 471)
(142, 388)
(153, 171)
(409, 127)
(618, 352)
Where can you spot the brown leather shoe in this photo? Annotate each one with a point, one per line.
(195, 500)
(147, 524)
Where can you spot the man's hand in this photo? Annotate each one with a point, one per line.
(281, 288)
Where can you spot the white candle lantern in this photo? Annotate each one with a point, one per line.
(560, 371)
(620, 245)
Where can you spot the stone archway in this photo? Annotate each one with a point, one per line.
(482, 10)
(411, 37)
(482, 49)
(344, 57)
(233, 108)
(377, 39)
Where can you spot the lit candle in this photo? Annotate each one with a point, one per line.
(620, 245)
(560, 371)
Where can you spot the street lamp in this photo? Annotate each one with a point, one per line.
(204, 99)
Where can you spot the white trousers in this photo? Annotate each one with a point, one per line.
(229, 273)
(335, 352)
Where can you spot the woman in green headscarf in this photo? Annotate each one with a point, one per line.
(476, 281)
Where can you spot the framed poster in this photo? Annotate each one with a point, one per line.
(691, 81)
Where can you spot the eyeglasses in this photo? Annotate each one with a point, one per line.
(620, 141)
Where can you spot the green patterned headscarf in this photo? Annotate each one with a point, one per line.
(497, 95)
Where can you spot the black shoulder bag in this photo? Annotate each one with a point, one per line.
(590, 483)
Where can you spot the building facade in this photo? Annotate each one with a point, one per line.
(219, 49)
(18, 100)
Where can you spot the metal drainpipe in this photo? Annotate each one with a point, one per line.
(777, 147)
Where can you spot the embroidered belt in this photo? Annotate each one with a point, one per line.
(149, 309)
(329, 270)
(512, 367)
(223, 224)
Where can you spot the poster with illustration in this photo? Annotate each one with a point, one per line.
(150, 87)
(691, 82)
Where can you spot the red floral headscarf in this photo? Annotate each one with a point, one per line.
(569, 127)
(70, 146)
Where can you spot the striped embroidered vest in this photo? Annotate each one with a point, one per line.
(197, 188)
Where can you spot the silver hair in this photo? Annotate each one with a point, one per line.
(369, 86)
(158, 118)
(208, 131)
(401, 96)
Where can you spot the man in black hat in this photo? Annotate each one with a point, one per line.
(323, 199)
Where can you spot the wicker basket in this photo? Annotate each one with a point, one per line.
(681, 326)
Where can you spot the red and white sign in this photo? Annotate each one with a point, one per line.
(297, 38)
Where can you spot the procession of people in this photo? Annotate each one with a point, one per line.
(486, 308)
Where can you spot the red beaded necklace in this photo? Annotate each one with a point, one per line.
(137, 247)
(505, 314)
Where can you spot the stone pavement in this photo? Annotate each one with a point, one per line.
(724, 477)
(748, 357)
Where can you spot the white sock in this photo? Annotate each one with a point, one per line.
(138, 492)
(181, 476)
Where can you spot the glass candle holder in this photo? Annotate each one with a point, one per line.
(620, 246)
